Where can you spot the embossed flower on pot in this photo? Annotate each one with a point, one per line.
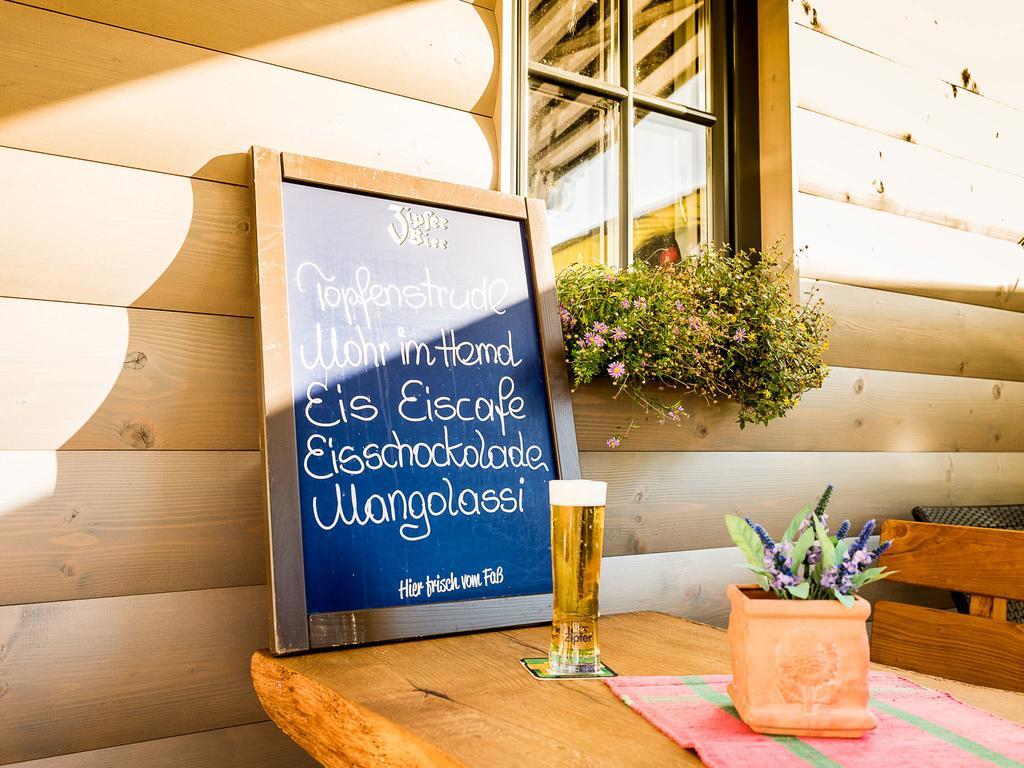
(808, 664)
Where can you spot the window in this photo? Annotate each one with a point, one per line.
(625, 126)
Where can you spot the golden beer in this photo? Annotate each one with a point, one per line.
(577, 536)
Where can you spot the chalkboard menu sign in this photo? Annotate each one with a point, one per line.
(415, 403)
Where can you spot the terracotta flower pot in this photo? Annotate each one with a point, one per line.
(799, 667)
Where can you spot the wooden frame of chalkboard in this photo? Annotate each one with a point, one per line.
(293, 627)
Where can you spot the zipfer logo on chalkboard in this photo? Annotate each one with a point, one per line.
(416, 228)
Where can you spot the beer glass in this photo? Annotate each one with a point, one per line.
(577, 536)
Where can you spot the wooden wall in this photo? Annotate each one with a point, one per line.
(131, 592)
(131, 539)
(892, 156)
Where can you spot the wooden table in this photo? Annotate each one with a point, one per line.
(466, 700)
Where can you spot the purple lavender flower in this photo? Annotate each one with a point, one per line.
(843, 530)
(829, 577)
(862, 539)
(813, 555)
(819, 509)
(880, 550)
(761, 533)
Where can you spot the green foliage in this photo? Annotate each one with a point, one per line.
(720, 324)
(809, 562)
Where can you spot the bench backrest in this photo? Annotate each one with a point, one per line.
(980, 648)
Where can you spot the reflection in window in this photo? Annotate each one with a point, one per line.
(670, 187)
(573, 167)
(669, 51)
(576, 35)
(625, 171)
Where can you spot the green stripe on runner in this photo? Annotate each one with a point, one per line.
(798, 747)
(943, 733)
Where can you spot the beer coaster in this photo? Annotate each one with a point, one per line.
(539, 669)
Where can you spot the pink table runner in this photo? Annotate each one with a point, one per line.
(916, 727)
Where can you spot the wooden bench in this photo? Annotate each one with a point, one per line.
(980, 648)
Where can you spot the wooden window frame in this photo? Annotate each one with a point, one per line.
(734, 162)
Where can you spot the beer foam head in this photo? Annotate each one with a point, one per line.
(577, 493)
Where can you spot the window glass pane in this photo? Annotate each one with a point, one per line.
(574, 167)
(576, 35)
(669, 50)
(670, 188)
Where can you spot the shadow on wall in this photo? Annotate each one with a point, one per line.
(85, 89)
(128, 429)
(342, 41)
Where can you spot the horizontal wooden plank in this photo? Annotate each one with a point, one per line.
(315, 170)
(944, 38)
(953, 645)
(892, 175)
(106, 378)
(897, 332)
(88, 674)
(979, 561)
(259, 745)
(906, 255)
(692, 585)
(662, 502)
(81, 524)
(390, 46)
(855, 410)
(88, 90)
(848, 83)
(165, 242)
(86, 377)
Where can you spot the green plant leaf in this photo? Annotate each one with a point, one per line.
(795, 524)
(800, 590)
(828, 552)
(760, 576)
(846, 600)
(743, 536)
(870, 575)
(841, 547)
(801, 546)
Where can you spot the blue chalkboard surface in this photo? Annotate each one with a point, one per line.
(423, 428)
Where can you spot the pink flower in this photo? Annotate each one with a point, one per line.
(618, 334)
(695, 322)
(625, 303)
(597, 340)
(617, 370)
(679, 305)
(600, 327)
(740, 334)
(611, 277)
(640, 303)
(613, 442)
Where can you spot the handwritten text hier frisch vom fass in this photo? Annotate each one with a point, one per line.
(438, 428)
